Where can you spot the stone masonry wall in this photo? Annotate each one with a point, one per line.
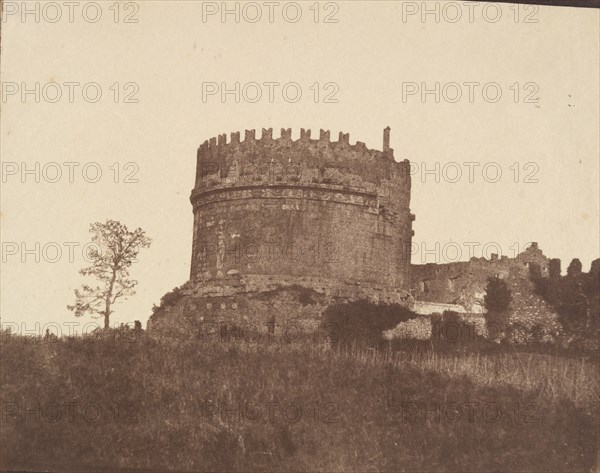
(254, 303)
(304, 208)
(464, 283)
(283, 228)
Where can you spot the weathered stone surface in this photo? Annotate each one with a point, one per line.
(274, 217)
(255, 303)
(418, 328)
(301, 208)
(284, 228)
(463, 283)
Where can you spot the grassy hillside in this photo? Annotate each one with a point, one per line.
(140, 403)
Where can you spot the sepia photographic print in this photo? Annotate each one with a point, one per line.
(300, 236)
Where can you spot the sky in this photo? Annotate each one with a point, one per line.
(104, 106)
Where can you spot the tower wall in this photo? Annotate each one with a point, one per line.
(309, 208)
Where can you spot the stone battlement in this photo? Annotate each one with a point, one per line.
(303, 161)
(266, 139)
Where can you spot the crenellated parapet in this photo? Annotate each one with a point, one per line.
(318, 162)
(220, 145)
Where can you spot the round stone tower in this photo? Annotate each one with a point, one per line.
(309, 212)
(284, 228)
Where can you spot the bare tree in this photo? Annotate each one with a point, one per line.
(116, 250)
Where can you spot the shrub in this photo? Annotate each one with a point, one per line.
(497, 295)
(451, 332)
(576, 299)
(169, 299)
(363, 322)
(497, 300)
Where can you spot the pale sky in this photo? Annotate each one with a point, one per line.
(371, 55)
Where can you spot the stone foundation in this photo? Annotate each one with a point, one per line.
(278, 305)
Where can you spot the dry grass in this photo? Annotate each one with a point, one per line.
(552, 377)
(168, 382)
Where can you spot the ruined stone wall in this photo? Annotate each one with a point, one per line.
(464, 283)
(428, 308)
(253, 303)
(304, 208)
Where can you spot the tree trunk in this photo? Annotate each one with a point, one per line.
(108, 296)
